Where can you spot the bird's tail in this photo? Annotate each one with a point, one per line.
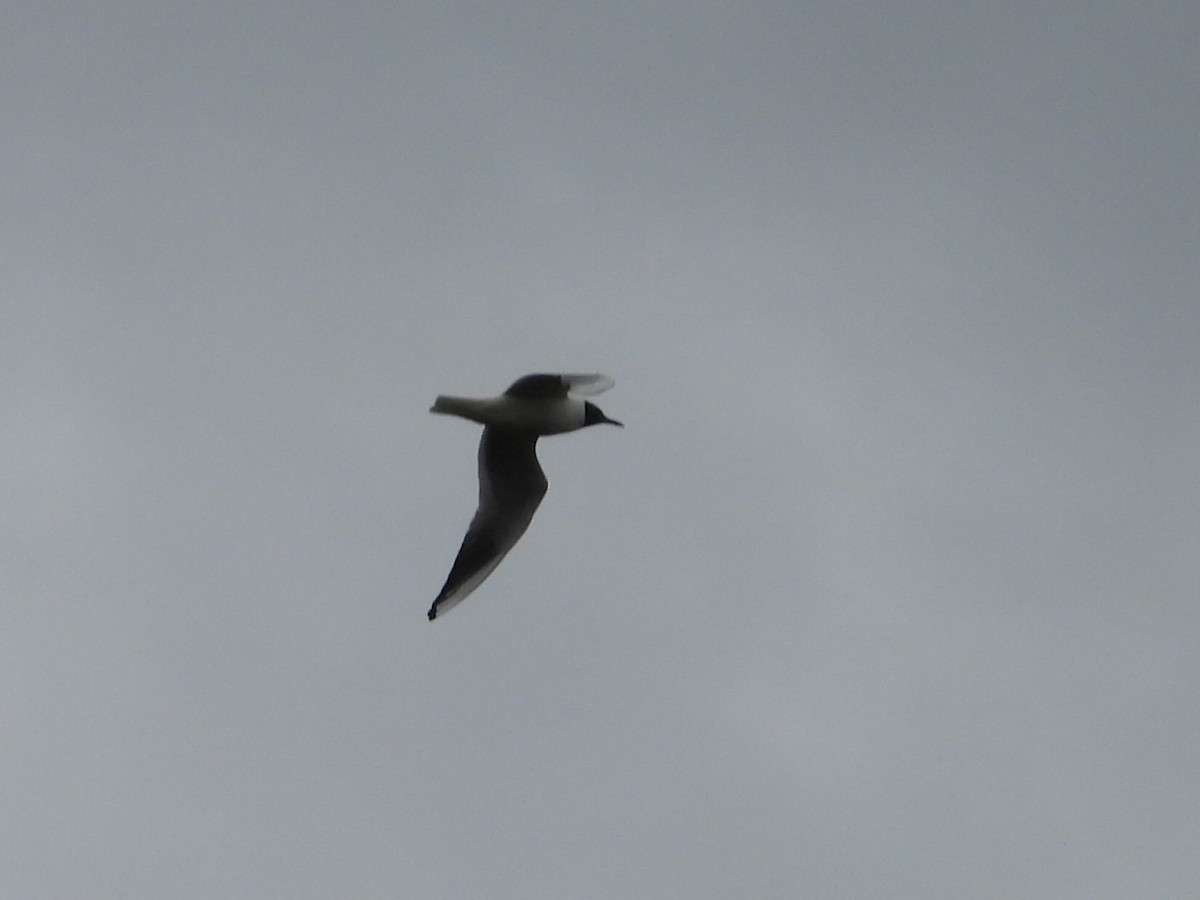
(459, 406)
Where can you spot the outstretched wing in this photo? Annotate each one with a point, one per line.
(548, 387)
(511, 486)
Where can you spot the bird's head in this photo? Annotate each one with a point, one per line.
(593, 416)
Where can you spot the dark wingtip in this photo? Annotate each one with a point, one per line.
(432, 613)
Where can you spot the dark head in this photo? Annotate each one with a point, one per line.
(593, 416)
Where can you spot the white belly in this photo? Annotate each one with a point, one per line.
(537, 416)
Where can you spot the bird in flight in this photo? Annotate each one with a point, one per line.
(511, 483)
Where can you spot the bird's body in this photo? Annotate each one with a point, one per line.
(511, 482)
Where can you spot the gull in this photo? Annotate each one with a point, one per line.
(511, 483)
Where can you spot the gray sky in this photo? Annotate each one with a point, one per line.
(888, 589)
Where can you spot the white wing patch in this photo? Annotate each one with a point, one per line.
(586, 385)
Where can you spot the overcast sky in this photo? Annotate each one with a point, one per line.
(888, 589)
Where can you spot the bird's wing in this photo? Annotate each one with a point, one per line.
(549, 387)
(511, 486)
